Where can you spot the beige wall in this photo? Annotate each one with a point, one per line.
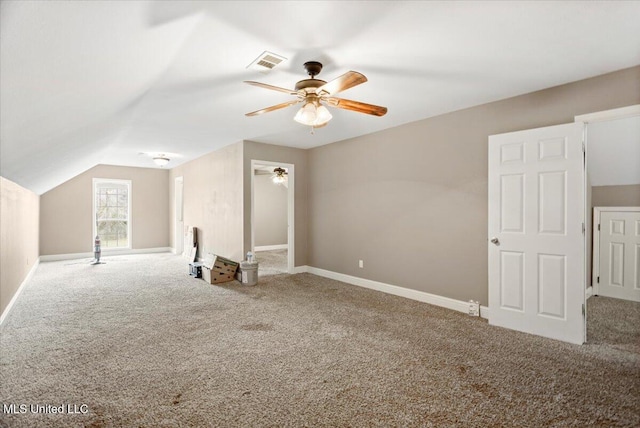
(297, 157)
(19, 229)
(66, 211)
(411, 201)
(212, 201)
(616, 196)
(270, 212)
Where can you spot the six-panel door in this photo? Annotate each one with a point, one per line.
(619, 255)
(536, 214)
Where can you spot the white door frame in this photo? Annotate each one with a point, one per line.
(613, 114)
(586, 119)
(597, 211)
(178, 232)
(290, 208)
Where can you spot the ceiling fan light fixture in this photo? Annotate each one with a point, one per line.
(313, 114)
(279, 176)
(161, 160)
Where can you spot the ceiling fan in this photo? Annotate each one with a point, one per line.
(315, 93)
(279, 175)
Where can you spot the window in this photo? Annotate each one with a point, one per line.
(112, 212)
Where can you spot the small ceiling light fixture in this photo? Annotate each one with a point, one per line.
(280, 176)
(161, 160)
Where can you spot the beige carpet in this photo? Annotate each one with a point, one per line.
(272, 262)
(141, 344)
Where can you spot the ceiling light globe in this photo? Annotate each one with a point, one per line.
(160, 161)
(323, 116)
(307, 115)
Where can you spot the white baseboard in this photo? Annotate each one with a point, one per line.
(484, 312)
(421, 296)
(589, 292)
(105, 253)
(271, 247)
(70, 256)
(300, 269)
(19, 290)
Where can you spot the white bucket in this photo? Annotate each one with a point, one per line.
(249, 272)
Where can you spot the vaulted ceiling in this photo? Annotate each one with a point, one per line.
(89, 82)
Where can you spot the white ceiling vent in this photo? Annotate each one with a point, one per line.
(266, 62)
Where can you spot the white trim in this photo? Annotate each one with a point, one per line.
(69, 256)
(271, 247)
(484, 312)
(301, 269)
(106, 253)
(617, 113)
(129, 184)
(421, 296)
(290, 208)
(589, 292)
(19, 290)
(178, 213)
(595, 268)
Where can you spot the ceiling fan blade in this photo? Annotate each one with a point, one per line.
(356, 106)
(273, 88)
(272, 108)
(342, 83)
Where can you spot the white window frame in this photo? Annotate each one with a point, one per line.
(129, 185)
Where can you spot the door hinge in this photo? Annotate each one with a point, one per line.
(583, 148)
(583, 311)
(583, 229)
(598, 280)
(598, 228)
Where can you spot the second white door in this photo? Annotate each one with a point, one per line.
(619, 254)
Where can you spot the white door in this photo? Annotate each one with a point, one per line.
(179, 209)
(619, 255)
(536, 242)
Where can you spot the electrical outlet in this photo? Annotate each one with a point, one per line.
(361, 264)
(474, 308)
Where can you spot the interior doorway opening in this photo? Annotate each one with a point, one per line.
(612, 184)
(556, 289)
(272, 216)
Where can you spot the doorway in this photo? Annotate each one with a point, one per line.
(272, 216)
(532, 287)
(178, 230)
(612, 185)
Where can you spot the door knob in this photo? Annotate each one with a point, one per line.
(495, 240)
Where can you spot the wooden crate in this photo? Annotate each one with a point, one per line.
(217, 269)
(214, 276)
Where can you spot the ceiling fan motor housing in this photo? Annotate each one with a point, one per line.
(313, 68)
(309, 84)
